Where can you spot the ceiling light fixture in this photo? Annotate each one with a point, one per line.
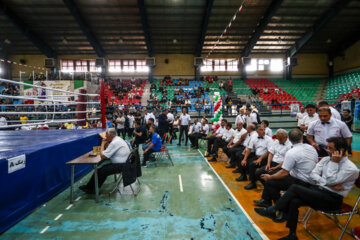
(328, 40)
(174, 41)
(64, 41)
(121, 41)
(7, 41)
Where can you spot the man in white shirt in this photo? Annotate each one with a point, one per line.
(275, 159)
(241, 117)
(333, 178)
(334, 113)
(185, 123)
(298, 163)
(223, 141)
(268, 130)
(211, 139)
(131, 124)
(325, 128)
(260, 146)
(117, 151)
(239, 156)
(3, 121)
(120, 121)
(251, 116)
(310, 117)
(300, 115)
(195, 131)
(236, 144)
(148, 116)
(203, 132)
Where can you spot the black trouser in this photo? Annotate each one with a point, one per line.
(273, 187)
(210, 142)
(313, 196)
(322, 152)
(162, 134)
(121, 132)
(194, 138)
(218, 143)
(184, 128)
(262, 170)
(246, 169)
(103, 172)
(231, 153)
(171, 132)
(138, 141)
(130, 132)
(253, 167)
(147, 155)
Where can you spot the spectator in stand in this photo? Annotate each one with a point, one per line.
(23, 119)
(268, 130)
(207, 89)
(69, 125)
(176, 91)
(60, 126)
(221, 85)
(207, 107)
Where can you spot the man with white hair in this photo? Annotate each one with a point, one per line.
(117, 151)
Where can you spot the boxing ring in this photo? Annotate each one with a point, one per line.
(32, 162)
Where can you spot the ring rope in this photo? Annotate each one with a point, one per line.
(47, 88)
(45, 100)
(46, 113)
(47, 122)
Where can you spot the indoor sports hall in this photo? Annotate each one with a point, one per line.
(179, 119)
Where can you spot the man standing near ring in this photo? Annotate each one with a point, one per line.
(184, 122)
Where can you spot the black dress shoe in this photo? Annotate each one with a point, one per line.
(86, 190)
(280, 217)
(212, 160)
(265, 212)
(231, 166)
(241, 178)
(250, 186)
(262, 203)
(238, 170)
(291, 236)
(179, 144)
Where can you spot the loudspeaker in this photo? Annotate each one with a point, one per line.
(22, 61)
(150, 61)
(198, 61)
(246, 60)
(292, 61)
(50, 62)
(100, 62)
(167, 61)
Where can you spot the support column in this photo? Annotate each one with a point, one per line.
(288, 72)
(197, 73)
(243, 72)
(151, 74)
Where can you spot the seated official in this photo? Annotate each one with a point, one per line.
(324, 128)
(195, 130)
(140, 134)
(238, 156)
(154, 145)
(268, 130)
(117, 151)
(260, 146)
(236, 144)
(211, 139)
(223, 141)
(333, 179)
(298, 163)
(276, 155)
(203, 132)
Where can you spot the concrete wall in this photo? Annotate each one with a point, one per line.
(350, 61)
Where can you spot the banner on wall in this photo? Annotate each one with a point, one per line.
(357, 116)
(294, 109)
(49, 94)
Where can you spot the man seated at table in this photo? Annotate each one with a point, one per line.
(154, 145)
(117, 151)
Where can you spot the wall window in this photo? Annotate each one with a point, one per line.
(252, 66)
(114, 65)
(232, 65)
(67, 65)
(220, 65)
(276, 65)
(141, 66)
(208, 66)
(81, 66)
(92, 66)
